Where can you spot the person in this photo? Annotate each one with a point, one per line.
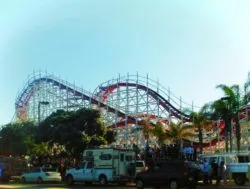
(205, 170)
(192, 152)
(188, 152)
(1, 169)
(214, 171)
(221, 173)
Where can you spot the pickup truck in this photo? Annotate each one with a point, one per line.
(240, 172)
(88, 174)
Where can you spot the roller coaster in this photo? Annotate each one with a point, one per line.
(123, 103)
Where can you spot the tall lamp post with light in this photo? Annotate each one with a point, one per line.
(39, 109)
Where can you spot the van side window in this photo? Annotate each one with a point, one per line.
(122, 157)
(213, 159)
(36, 170)
(83, 165)
(223, 159)
(105, 157)
(129, 158)
(89, 153)
(90, 165)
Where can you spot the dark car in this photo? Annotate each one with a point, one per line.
(174, 174)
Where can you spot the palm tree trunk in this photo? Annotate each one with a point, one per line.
(200, 140)
(226, 134)
(238, 134)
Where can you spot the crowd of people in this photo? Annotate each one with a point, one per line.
(213, 171)
(210, 170)
(167, 152)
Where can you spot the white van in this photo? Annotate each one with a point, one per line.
(238, 171)
(218, 158)
(104, 165)
(140, 166)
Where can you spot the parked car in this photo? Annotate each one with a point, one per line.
(140, 166)
(174, 174)
(40, 175)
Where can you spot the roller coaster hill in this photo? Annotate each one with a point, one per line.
(123, 102)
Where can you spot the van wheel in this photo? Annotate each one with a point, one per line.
(192, 185)
(39, 180)
(88, 183)
(122, 183)
(173, 184)
(103, 180)
(139, 184)
(70, 180)
(240, 179)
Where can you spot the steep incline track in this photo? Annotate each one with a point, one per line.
(27, 93)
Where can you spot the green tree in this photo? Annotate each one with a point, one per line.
(109, 136)
(200, 122)
(227, 108)
(147, 129)
(159, 131)
(17, 138)
(178, 131)
(74, 129)
(40, 149)
(246, 98)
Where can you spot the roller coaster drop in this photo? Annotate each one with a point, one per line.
(123, 102)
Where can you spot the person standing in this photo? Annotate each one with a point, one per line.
(192, 152)
(221, 173)
(205, 170)
(214, 171)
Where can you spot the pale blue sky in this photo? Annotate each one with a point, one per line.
(189, 46)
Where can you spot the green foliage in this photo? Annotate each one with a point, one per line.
(73, 130)
(17, 138)
(179, 131)
(160, 132)
(147, 128)
(40, 149)
(246, 98)
(109, 136)
(173, 132)
(227, 108)
(76, 130)
(97, 141)
(200, 121)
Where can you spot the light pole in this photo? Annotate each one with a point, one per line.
(39, 109)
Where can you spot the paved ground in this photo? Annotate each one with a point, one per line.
(114, 186)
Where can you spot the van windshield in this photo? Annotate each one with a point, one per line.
(231, 159)
(226, 158)
(49, 170)
(139, 164)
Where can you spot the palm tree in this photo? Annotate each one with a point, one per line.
(246, 98)
(178, 131)
(227, 108)
(147, 129)
(159, 131)
(200, 122)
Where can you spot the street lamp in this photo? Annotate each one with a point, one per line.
(39, 109)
